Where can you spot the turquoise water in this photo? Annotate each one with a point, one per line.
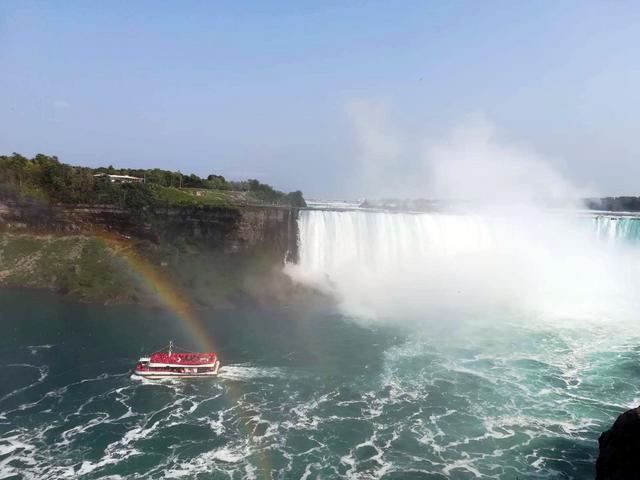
(615, 228)
(314, 395)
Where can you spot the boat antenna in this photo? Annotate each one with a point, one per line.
(170, 347)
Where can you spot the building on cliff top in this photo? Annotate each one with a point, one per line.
(119, 178)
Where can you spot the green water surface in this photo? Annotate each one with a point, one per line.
(312, 396)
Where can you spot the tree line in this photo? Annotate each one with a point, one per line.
(45, 178)
(614, 204)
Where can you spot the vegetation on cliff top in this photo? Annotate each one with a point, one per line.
(185, 252)
(44, 178)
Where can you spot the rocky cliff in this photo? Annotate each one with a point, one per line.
(231, 229)
(218, 256)
(619, 457)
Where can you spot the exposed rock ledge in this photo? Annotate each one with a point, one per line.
(619, 457)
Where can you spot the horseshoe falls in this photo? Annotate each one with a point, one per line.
(541, 265)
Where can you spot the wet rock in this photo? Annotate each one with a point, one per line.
(233, 229)
(619, 457)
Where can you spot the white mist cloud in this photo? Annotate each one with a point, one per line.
(492, 262)
(474, 164)
(60, 104)
(379, 149)
(378, 143)
(474, 161)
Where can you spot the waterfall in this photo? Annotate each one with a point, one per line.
(616, 228)
(379, 263)
(381, 241)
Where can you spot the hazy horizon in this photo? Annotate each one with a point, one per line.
(341, 101)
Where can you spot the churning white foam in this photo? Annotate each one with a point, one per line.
(247, 372)
(424, 265)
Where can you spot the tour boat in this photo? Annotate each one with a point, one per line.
(168, 363)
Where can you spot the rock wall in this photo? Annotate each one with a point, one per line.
(619, 457)
(231, 230)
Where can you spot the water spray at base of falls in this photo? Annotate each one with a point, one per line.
(423, 266)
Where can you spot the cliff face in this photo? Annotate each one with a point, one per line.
(216, 256)
(231, 230)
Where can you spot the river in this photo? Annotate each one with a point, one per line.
(412, 392)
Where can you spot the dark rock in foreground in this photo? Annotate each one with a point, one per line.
(619, 457)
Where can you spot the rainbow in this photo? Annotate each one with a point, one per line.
(176, 301)
(157, 282)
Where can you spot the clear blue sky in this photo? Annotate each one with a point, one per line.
(263, 89)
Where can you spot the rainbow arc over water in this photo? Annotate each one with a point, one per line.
(156, 281)
(178, 302)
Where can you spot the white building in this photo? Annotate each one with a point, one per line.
(119, 178)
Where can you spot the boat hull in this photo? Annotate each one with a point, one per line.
(161, 373)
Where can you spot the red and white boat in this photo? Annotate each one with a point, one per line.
(168, 363)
